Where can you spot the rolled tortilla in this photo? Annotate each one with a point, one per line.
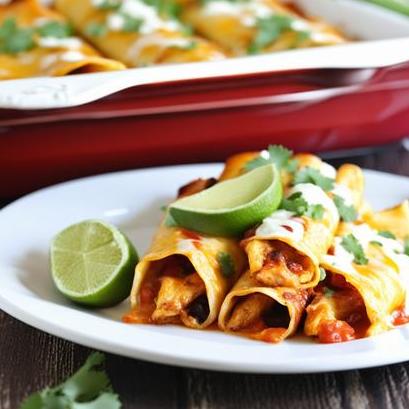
(42, 53)
(286, 249)
(184, 278)
(262, 313)
(365, 295)
(254, 26)
(137, 33)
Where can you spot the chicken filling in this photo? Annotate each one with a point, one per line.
(283, 266)
(259, 316)
(174, 294)
(337, 313)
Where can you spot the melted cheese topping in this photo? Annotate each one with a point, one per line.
(281, 224)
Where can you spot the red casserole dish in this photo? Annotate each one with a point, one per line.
(206, 119)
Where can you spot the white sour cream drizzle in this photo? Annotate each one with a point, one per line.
(247, 12)
(137, 9)
(72, 56)
(70, 43)
(343, 192)
(325, 168)
(282, 224)
(314, 195)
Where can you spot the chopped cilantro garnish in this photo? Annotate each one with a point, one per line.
(323, 274)
(347, 213)
(96, 29)
(166, 8)
(376, 243)
(298, 205)
(406, 246)
(57, 29)
(131, 24)
(387, 234)
(88, 387)
(314, 176)
(14, 39)
(226, 264)
(269, 29)
(276, 154)
(352, 245)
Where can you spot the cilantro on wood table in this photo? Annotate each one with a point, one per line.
(88, 388)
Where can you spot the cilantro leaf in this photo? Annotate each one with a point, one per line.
(57, 29)
(226, 264)
(352, 245)
(269, 30)
(298, 205)
(131, 24)
(406, 246)
(376, 243)
(347, 213)
(88, 388)
(13, 39)
(277, 155)
(314, 176)
(328, 292)
(95, 29)
(387, 234)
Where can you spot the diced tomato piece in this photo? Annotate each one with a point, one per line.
(399, 317)
(332, 331)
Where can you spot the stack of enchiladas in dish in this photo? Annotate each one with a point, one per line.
(71, 36)
(323, 264)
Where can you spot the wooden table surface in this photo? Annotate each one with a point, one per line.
(31, 359)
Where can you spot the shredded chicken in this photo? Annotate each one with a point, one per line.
(175, 294)
(282, 267)
(249, 311)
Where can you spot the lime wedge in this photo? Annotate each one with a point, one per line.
(231, 207)
(92, 263)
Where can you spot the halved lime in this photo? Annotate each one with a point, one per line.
(231, 207)
(92, 263)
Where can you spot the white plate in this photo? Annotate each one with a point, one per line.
(132, 201)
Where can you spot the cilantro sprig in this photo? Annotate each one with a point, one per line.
(88, 387)
(277, 155)
(352, 245)
(14, 39)
(347, 213)
(269, 30)
(387, 234)
(226, 264)
(298, 205)
(314, 176)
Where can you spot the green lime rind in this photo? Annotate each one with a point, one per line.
(92, 263)
(231, 207)
(400, 6)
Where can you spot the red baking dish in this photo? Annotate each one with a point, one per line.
(203, 117)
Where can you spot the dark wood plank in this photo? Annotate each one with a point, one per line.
(31, 360)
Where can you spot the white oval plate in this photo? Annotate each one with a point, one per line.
(132, 200)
